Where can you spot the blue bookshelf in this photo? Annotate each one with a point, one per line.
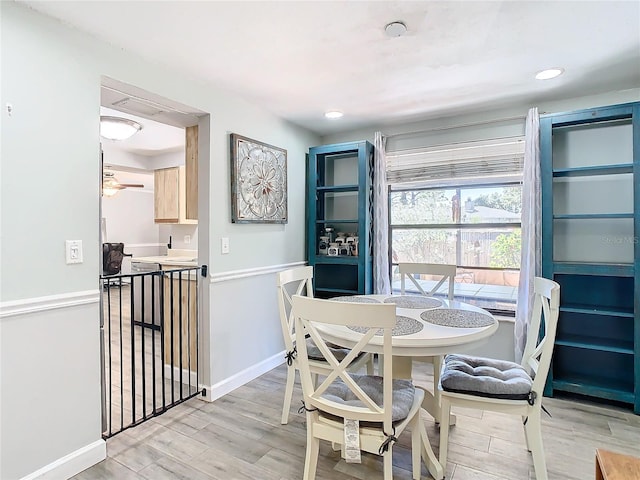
(339, 197)
(590, 176)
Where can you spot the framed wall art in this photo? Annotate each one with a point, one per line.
(258, 181)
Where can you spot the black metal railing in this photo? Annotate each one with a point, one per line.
(150, 345)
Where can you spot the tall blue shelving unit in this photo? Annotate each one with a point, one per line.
(340, 196)
(590, 176)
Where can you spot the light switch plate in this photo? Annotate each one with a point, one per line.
(224, 245)
(73, 251)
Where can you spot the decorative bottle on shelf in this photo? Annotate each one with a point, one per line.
(331, 233)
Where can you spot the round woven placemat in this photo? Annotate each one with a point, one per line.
(404, 326)
(449, 317)
(355, 299)
(413, 301)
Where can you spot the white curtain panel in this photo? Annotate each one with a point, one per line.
(381, 283)
(530, 262)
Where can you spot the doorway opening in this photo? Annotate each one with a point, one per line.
(151, 273)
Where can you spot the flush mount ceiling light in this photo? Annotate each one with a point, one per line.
(117, 128)
(395, 29)
(549, 73)
(333, 114)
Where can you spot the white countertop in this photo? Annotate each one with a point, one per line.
(174, 258)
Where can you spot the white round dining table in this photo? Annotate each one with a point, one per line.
(431, 340)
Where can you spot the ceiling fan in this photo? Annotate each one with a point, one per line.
(111, 185)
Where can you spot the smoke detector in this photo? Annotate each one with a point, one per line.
(395, 29)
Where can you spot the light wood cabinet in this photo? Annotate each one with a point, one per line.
(170, 191)
(180, 323)
(191, 169)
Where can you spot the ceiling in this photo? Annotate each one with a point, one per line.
(155, 138)
(299, 59)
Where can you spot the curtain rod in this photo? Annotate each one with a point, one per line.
(461, 125)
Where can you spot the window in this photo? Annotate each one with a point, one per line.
(470, 220)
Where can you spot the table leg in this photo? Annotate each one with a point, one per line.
(402, 369)
(429, 458)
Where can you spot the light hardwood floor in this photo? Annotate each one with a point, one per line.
(239, 436)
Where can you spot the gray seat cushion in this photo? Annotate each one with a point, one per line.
(403, 394)
(314, 353)
(485, 377)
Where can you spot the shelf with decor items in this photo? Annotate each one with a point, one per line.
(590, 178)
(339, 220)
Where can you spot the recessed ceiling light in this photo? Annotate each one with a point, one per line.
(395, 29)
(333, 114)
(549, 73)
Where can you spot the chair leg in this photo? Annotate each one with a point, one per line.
(534, 437)
(444, 430)
(526, 433)
(288, 393)
(313, 447)
(370, 370)
(416, 446)
(387, 460)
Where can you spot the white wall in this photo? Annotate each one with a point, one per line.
(51, 75)
(511, 125)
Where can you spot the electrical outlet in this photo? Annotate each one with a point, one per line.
(187, 239)
(224, 245)
(73, 251)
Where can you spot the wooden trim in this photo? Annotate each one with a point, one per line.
(50, 302)
(252, 272)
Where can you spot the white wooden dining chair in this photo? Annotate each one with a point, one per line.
(381, 406)
(299, 281)
(447, 272)
(507, 387)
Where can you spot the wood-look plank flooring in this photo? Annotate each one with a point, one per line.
(239, 436)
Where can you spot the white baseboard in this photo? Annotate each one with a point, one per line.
(239, 379)
(72, 464)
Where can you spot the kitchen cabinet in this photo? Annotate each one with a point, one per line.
(180, 332)
(170, 191)
(191, 170)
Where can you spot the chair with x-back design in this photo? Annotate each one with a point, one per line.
(299, 281)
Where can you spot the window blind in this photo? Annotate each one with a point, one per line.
(498, 157)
